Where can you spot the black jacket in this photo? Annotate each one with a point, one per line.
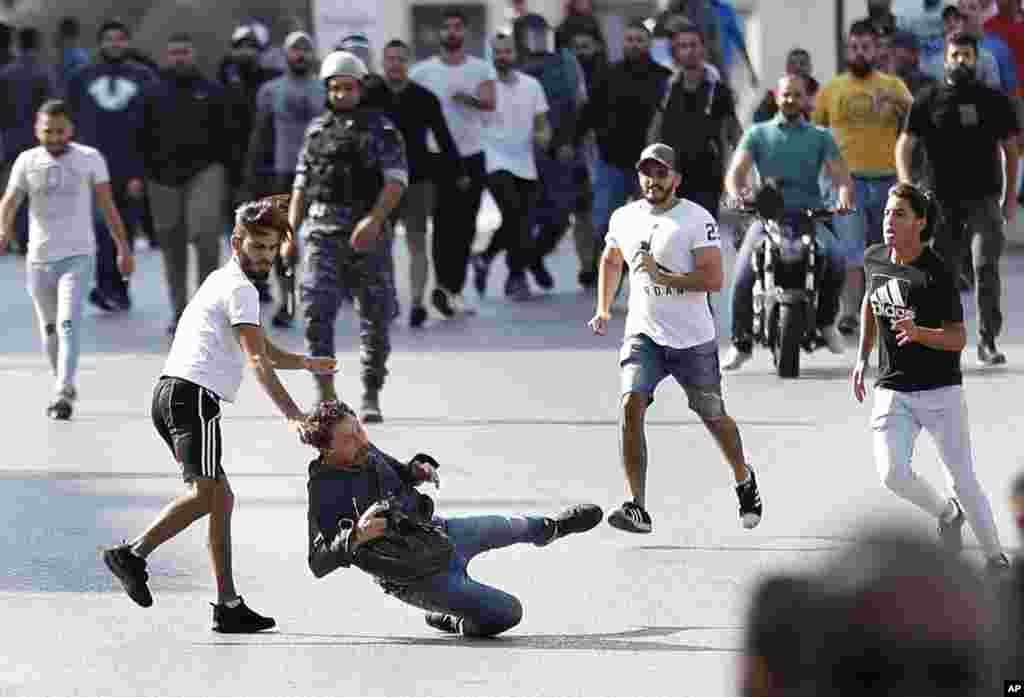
(338, 497)
(186, 128)
(415, 110)
(622, 103)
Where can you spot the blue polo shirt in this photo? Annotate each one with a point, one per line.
(793, 155)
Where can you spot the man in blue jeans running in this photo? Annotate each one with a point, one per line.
(351, 478)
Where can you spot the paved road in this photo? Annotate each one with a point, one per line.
(519, 406)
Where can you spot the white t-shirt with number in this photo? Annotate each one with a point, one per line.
(205, 349)
(671, 318)
(508, 138)
(465, 123)
(60, 193)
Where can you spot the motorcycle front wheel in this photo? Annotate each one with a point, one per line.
(786, 348)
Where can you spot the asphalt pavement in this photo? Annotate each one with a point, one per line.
(518, 403)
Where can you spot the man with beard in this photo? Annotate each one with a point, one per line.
(967, 127)
(351, 175)
(61, 179)
(465, 86)
(789, 150)
(285, 107)
(186, 145)
(674, 254)
(955, 22)
(518, 124)
(698, 120)
(798, 62)
(106, 99)
(218, 334)
(419, 116)
(864, 108)
(622, 103)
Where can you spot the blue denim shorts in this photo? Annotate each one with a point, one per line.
(645, 364)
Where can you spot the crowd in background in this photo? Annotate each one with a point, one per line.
(184, 149)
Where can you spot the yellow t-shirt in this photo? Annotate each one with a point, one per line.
(865, 127)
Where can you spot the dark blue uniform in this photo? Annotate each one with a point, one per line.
(346, 158)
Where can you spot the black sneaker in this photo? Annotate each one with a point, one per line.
(449, 624)
(369, 412)
(122, 301)
(239, 620)
(630, 518)
(988, 354)
(579, 518)
(481, 268)
(417, 316)
(442, 302)
(541, 275)
(130, 570)
(101, 301)
(60, 409)
(282, 318)
(517, 287)
(750, 502)
(951, 534)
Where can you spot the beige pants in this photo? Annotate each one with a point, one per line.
(193, 212)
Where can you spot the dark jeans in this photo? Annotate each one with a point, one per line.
(972, 233)
(485, 611)
(109, 280)
(743, 284)
(515, 198)
(455, 213)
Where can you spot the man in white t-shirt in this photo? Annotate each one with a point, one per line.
(218, 334)
(674, 254)
(465, 87)
(518, 123)
(60, 179)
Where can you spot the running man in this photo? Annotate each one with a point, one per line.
(913, 303)
(60, 178)
(674, 253)
(218, 334)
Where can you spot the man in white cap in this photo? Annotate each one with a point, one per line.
(675, 260)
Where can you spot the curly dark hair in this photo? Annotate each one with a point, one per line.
(320, 422)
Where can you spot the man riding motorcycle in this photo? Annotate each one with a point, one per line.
(791, 152)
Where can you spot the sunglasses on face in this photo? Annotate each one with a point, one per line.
(655, 171)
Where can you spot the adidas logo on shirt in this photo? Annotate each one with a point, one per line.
(889, 300)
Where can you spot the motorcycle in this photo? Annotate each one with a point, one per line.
(788, 270)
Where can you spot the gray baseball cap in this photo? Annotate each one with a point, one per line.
(658, 152)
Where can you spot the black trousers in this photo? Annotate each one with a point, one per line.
(455, 212)
(515, 197)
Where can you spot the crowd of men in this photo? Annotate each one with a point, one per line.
(563, 139)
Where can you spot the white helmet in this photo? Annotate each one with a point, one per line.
(342, 63)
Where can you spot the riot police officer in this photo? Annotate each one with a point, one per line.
(351, 174)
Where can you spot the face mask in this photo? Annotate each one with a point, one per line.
(960, 74)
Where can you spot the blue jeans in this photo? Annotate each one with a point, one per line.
(612, 188)
(484, 610)
(864, 228)
(743, 283)
(57, 288)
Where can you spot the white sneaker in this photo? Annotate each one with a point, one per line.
(736, 358)
(833, 339)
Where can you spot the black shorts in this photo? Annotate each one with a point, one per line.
(187, 417)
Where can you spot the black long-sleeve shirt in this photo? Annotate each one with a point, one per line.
(415, 110)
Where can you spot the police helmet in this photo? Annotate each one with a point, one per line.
(340, 63)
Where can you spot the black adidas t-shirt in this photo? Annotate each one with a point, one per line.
(924, 290)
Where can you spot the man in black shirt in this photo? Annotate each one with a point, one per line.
(417, 113)
(912, 302)
(963, 124)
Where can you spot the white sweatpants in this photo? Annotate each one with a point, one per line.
(897, 419)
